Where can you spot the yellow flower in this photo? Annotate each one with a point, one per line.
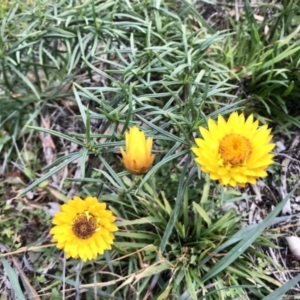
(83, 228)
(138, 158)
(235, 152)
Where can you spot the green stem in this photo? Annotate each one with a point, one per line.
(133, 186)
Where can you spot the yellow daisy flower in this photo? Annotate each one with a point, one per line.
(235, 152)
(83, 228)
(138, 158)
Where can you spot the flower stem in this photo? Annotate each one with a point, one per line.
(133, 186)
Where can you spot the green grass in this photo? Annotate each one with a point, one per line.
(94, 69)
(265, 55)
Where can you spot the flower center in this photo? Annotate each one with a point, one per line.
(84, 226)
(235, 149)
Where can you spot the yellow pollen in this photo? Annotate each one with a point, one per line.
(235, 149)
(84, 226)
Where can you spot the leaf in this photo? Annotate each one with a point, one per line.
(14, 281)
(58, 134)
(190, 286)
(138, 221)
(183, 183)
(202, 213)
(26, 81)
(153, 269)
(243, 245)
(276, 295)
(49, 174)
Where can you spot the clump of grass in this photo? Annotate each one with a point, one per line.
(159, 68)
(263, 53)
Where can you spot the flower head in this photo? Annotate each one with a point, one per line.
(83, 228)
(138, 158)
(235, 152)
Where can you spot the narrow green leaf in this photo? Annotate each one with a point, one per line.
(98, 70)
(202, 213)
(289, 51)
(190, 286)
(88, 127)
(138, 221)
(205, 190)
(49, 174)
(182, 185)
(161, 163)
(129, 112)
(287, 39)
(165, 133)
(194, 12)
(240, 248)
(14, 281)
(164, 295)
(58, 134)
(130, 245)
(83, 163)
(80, 106)
(153, 269)
(112, 173)
(26, 81)
(278, 293)
(136, 235)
